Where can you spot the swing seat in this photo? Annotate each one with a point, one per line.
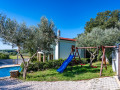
(94, 66)
(82, 64)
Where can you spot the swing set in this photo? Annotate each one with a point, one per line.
(75, 52)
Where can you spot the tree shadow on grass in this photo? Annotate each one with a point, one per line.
(76, 70)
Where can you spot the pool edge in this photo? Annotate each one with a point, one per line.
(9, 65)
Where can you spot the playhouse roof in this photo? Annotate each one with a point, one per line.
(67, 39)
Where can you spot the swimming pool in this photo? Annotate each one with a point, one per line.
(5, 71)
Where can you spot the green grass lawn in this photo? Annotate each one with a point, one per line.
(77, 73)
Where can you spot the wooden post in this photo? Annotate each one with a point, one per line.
(103, 56)
(40, 57)
(43, 57)
(119, 62)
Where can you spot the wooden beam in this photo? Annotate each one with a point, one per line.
(96, 47)
(110, 46)
(86, 47)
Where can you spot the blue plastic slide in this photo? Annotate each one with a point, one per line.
(65, 63)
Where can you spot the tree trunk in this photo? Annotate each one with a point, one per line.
(25, 65)
(91, 60)
(24, 73)
(90, 63)
(92, 56)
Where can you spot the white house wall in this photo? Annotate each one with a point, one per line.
(115, 61)
(81, 52)
(56, 52)
(65, 49)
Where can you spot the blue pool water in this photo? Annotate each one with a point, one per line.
(4, 72)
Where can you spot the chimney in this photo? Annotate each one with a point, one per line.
(58, 33)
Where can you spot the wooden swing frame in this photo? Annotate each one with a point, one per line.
(103, 54)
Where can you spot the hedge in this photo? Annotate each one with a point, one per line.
(40, 66)
(4, 56)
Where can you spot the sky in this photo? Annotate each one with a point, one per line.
(69, 16)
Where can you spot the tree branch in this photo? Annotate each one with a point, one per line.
(21, 55)
(30, 59)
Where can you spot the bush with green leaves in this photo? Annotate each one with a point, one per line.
(4, 56)
(40, 66)
(81, 61)
(34, 59)
(36, 65)
(13, 53)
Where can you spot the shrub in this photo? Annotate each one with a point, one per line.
(85, 60)
(22, 66)
(4, 56)
(13, 53)
(34, 59)
(36, 65)
(81, 61)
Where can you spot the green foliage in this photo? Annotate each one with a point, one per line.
(13, 53)
(36, 65)
(10, 52)
(98, 37)
(34, 59)
(99, 55)
(4, 56)
(85, 60)
(104, 20)
(109, 54)
(28, 38)
(45, 35)
(78, 62)
(33, 39)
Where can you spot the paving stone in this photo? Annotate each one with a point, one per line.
(106, 83)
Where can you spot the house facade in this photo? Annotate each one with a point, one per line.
(62, 48)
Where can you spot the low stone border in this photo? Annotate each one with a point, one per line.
(2, 78)
(9, 65)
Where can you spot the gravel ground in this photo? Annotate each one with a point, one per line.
(106, 83)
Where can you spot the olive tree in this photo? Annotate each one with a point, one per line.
(16, 35)
(96, 38)
(23, 37)
(47, 32)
